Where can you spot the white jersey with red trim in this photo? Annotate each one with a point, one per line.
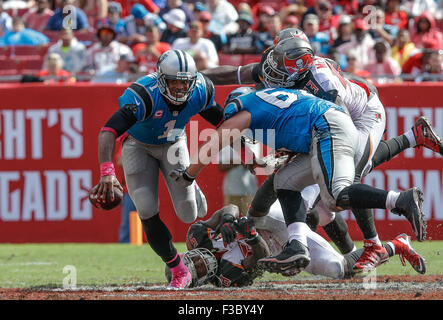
(324, 80)
(235, 252)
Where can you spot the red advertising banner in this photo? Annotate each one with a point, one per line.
(48, 162)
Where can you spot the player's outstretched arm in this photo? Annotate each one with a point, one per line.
(108, 180)
(229, 75)
(214, 221)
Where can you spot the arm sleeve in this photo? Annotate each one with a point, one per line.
(122, 120)
(214, 114)
(231, 275)
(256, 73)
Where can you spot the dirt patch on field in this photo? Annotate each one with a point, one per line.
(385, 288)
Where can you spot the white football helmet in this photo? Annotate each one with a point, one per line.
(176, 65)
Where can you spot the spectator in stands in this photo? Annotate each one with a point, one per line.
(344, 31)
(383, 65)
(175, 26)
(198, 8)
(319, 40)
(18, 5)
(352, 65)
(54, 71)
(177, 4)
(394, 16)
(382, 31)
(245, 41)
(5, 20)
(327, 21)
(205, 18)
(361, 42)
(135, 25)
(37, 17)
(115, 19)
(336, 56)
(127, 6)
(122, 73)
(224, 16)
(96, 10)
(348, 7)
(294, 10)
(290, 21)
(417, 7)
(146, 54)
(202, 50)
(21, 36)
(273, 27)
(72, 51)
(262, 17)
(425, 31)
(426, 61)
(62, 17)
(403, 48)
(104, 55)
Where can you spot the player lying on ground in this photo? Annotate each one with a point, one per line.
(154, 111)
(211, 259)
(323, 135)
(291, 63)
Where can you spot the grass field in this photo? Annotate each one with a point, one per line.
(42, 265)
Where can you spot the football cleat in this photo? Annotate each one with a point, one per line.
(180, 280)
(404, 249)
(295, 256)
(373, 256)
(202, 205)
(425, 136)
(409, 204)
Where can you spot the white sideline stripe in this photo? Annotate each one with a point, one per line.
(34, 263)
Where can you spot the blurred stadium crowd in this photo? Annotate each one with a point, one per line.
(118, 41)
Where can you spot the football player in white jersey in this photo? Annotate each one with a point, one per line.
(224, 249)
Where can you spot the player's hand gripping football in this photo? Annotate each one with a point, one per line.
(105, 189)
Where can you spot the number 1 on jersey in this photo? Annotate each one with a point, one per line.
(169, 126)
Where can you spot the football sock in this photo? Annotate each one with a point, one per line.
(160, 240)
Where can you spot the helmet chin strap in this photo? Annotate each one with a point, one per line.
(170, 96)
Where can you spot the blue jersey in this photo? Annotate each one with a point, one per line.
(156, 123)
(287, 117)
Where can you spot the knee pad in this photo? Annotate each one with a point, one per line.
(186, 211)
(145, 202)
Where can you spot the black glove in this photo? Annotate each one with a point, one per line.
(246, 228)
(182, 177)
(226, 228)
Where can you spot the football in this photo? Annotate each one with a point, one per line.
(108, 205)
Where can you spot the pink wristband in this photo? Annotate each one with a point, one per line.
(107, 169)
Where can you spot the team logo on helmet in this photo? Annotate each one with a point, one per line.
(299, 65)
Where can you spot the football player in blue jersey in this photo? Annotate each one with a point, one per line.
(326, 140)
(153, 114)
(324, 79)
